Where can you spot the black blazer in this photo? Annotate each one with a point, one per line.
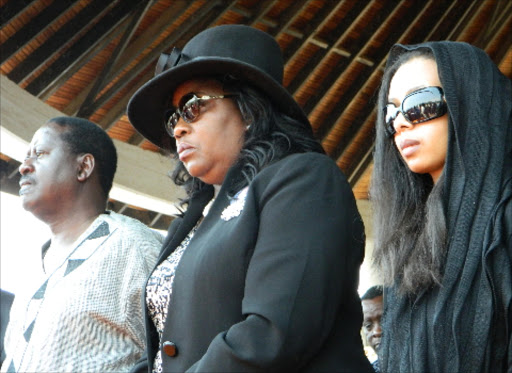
(269, 284)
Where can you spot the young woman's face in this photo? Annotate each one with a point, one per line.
(209, 145)
(423, 146)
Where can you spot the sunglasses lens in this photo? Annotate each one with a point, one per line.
(425, 105)
(171, 122)
(390, 113)
(190, 110)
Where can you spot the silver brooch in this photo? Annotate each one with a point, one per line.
(236, 205)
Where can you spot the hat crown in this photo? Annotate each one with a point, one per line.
(240, 43)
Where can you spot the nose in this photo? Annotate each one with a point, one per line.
(377, 330)
(26, 166)
(400, 123)
(181, 128)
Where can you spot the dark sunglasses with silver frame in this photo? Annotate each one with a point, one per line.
(188, 109)
(417, 107)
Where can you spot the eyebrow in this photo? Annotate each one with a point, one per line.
(181, 102)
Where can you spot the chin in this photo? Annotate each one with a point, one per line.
(26, 206)
(417, 170)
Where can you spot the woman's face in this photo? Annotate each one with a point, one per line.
(209, 145)
(423, 146)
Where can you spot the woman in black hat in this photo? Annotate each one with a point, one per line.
(260, 273)
(442, 194)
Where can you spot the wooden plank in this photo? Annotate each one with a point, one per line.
(204, 16)
(81, 46)
(135, 49)
(33, 28)
(11, 9)
(52, 86)
(45, 51)
(88, 106)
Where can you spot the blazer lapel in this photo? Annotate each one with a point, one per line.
(189, 220)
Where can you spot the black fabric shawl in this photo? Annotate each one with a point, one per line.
(465, 324)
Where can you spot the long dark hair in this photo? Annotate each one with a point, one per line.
(409, 218)
(271, 135)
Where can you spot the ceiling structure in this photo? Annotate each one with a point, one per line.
(87, 58)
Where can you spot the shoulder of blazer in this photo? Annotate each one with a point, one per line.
(306, 166)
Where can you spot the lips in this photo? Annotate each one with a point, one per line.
(25, 182)
(184, 150)
(408, 146)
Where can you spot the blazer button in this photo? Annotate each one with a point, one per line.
(170, 349)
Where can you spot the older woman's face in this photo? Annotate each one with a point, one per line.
(209, 145)
(423, 146)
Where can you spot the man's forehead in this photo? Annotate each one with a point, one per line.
(46, 134)
(372, 304)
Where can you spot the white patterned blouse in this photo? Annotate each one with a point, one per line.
(86, 314)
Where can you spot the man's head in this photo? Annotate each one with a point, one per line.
(64, 155)
(83, 136)
(372, 306)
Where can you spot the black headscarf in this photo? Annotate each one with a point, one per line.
(465, 324)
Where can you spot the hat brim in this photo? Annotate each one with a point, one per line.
(147, 107)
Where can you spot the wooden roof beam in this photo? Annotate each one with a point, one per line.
(501, 13)
(365, 82)
(81, 46)
(119, 109)
(457, 31)
(255, 16)
(288, 17)
(11, 9)
(55, 42)
(317, 23)
(150, 58)
(33, 28)
(302, 78)
(89, 106)
(134, 49)
(63, 76)
(502, 40)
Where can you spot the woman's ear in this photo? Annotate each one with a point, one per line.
(86, 165)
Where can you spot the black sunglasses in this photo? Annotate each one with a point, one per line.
(417, 107)
(189, 109)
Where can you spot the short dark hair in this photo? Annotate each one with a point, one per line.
(271, 135)
(83, 136)
(373, 292)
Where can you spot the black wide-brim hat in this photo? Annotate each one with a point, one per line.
(248, 54)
